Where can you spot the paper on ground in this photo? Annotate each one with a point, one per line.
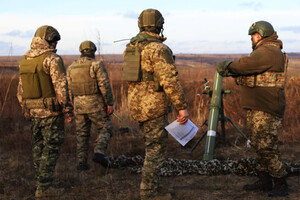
(183, 133)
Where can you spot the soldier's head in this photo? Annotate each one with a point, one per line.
(88, 48)
(259, 30)
(151, 20)
(48, 33)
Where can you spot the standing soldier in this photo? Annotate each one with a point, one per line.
(43, 96)
(92, 98)
(153, 86)
(262, 76)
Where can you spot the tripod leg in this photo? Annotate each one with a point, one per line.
(236, 127)
(198, 141)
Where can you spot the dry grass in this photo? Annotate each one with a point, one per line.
(16, 170)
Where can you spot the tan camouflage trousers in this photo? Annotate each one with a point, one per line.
(263, 130)
(48, 135)
(155, 138)
(103, 127)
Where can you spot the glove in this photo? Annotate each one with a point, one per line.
(222, 68)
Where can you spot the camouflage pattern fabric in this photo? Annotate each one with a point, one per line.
(92, 103)
(92, 109)
(104, 132)
(150, 107)
(52, 65)
(47, 124)
(267, 79)
(263, 129)
(48, 135)
(155, 137)
(182, 167)
(145, 102)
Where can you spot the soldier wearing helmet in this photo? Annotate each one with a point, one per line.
(43, 96)
(262, 76)
(92, 98)
(151, 74)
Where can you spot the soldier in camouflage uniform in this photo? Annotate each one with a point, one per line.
(150, 95)
(43, 96)
(93, 101)
(262, 76)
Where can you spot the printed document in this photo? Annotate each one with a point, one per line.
(183, 133)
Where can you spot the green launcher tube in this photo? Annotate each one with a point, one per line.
(213, 117)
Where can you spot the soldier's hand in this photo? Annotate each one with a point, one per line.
(110, 110)
(69, 119)
(183, 116)
(222, 68)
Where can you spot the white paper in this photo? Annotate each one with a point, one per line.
(183, 133)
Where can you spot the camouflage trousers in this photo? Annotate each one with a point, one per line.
(263, 128)
(48, 135)
(155, 137)
(103, 127)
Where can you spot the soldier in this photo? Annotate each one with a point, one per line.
(153, 86)
(262, 76)
(92, 98)
(43, 96)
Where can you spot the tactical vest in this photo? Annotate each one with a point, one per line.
(132, 70)
(81, 81)
(36, 83)
(266, 79)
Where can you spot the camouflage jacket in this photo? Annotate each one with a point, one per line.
(266, 57)
(59, 81)
(144, 101)
(92, 103)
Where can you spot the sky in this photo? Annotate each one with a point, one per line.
(191, 26)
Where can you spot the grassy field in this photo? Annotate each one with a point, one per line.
(17, 173)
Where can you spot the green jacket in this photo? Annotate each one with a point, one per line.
(265, 57)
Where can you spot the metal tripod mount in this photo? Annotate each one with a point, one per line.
(216, 114)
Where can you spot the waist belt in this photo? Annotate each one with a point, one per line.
(50, 103)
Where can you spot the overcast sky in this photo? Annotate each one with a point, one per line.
(191, 26)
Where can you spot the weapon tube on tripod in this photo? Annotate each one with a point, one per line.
(213, 117)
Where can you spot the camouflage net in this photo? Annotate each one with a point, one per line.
(177, 167)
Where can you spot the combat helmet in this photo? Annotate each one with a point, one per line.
(265, 29)
(47, 33)
(87, 46)
(150, 18)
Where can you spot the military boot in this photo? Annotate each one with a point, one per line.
(49, 192)
(280, 188)
(100, 158)
(264, 183)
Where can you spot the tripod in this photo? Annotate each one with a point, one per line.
(216, 114)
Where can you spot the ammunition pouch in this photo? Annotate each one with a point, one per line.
(132, 64)
(132, 70)
(267, 79)
(50, 103)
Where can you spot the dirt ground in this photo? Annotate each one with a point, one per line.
(17, 173)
